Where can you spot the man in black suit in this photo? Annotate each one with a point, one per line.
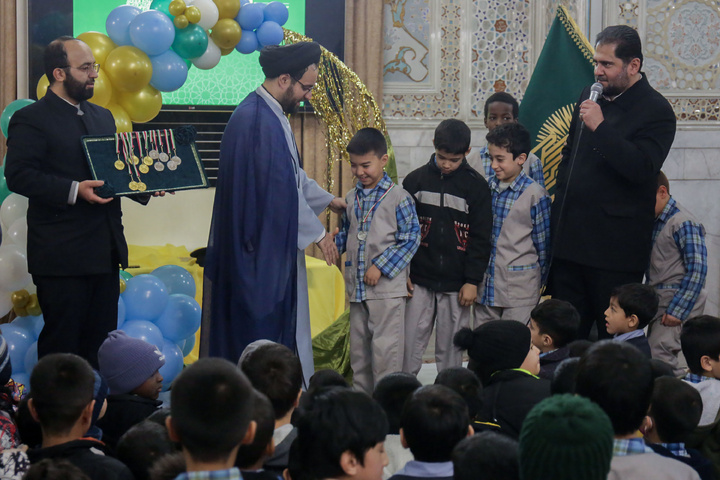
(603, 213)
(75, 238)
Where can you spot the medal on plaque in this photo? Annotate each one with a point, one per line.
(145, 159)
(159, 166)
(175, 159)
(153, 153)
(119, 164)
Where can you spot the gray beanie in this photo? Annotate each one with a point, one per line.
(126, 362)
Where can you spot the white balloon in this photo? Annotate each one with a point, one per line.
(30, 287)
(5, 303)
(210, 58)
(17, 233)
(13, 268)
(209, 13)
(13, 207)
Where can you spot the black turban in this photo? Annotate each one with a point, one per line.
(276, 60)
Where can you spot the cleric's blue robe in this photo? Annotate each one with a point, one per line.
(264, 216)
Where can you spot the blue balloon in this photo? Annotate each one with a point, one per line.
(26, 323)
(38, 324)
(144, 330)
(169, 73)
(248, 42)
(276, 12)
(18, 340)
(173, 362)
(152, 32)
(176, 278)
(145, 297)
(270, 33)
(189, 345)
(117, 24)
(22, 378)
(250, 16)
(31, 358)
(180, 319)
(121, 312)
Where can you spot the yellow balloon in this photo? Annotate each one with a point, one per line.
(176, 7)
(226, 33)
(192, 14)
(99, 43)
(122, 119)
(33, 306)
(128, 68)
(228, 8)
(42, 87)
(226, 51)
(181, 22)
(141, 106)
(103, 90)
(20, 298)
(20, 311)
(123, 285)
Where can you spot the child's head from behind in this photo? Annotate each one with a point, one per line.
(340, 435)
(508, 146)
(141, 446)
(486, 456)
(131, 365)
(618, 377)
(368, 156)
(433, 421)
(675, 410)
(211, 410)
(391, 392)
(662, 195)
(62, 393)
(465, 383)
(275, 371)
(500, 108)
(700, 341)
(452, 144)
(553, 324)
(261, 447)
(632, 306)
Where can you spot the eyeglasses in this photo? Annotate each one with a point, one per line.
(306, 88)
(86, 67)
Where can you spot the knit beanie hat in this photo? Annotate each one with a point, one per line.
(496, 345)
(566, 437)
(5, 365)
(127, 362)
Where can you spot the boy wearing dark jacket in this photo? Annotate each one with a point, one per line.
(453, 204)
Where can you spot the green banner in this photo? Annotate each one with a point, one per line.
(564, 68)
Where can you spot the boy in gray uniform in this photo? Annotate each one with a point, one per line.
(678, 270)
(381, 233)
(521, 231)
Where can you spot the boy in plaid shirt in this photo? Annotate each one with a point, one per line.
(381, 233)
(521, 231)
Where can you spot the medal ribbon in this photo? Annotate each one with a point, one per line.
(357, 199)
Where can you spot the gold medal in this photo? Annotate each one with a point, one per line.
(133, 185)
(120, 165)
(144, 168)
(135, 160)
(147, 161)
(141, 186)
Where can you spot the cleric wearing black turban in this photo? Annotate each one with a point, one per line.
(264, 217)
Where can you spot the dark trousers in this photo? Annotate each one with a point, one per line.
(588, 289)
(79, 312)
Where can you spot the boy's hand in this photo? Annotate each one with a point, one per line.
(467, 295)
(670, 321)
(410, 287)
(338, 205)
(328, 247)
(372, 276)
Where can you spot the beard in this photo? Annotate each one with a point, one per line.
(77, 90)
(618, 85)
(288, 103)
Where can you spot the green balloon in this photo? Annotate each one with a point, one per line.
(125, 275)
(16, 105)
(190, 42)
(163, 6)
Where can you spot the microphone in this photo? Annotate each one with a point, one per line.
(595, 91)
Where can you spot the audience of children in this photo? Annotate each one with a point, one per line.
(678, 270)
(251, 457)
(631, 309)
(519, 257)
(143, 445)
(700, 341)
(553, 325)
(453, 205)
(486, 456)
(380, 233)
(465, 383)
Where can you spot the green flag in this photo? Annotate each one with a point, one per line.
(564, 68)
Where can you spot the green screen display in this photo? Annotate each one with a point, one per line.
(227, 84)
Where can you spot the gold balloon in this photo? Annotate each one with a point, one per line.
(100, 44)
(128, 68)
(123, 285)
(20, 311)
(176, 7)
(42, 87)
(226, 33)
(33, 306)
(20, 298)
(122, 119)
(227, 8)
(103, 90)
(181, 22)
(141, 106)
(192, 14)
(226, 51)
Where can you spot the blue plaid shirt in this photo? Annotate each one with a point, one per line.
(397, 257)
(536, 168)
(690, 241)
(695, 378)
(677, 449)
(630, 446)
(231, 474)
(502, 202)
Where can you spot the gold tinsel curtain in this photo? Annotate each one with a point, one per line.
(8, 60)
